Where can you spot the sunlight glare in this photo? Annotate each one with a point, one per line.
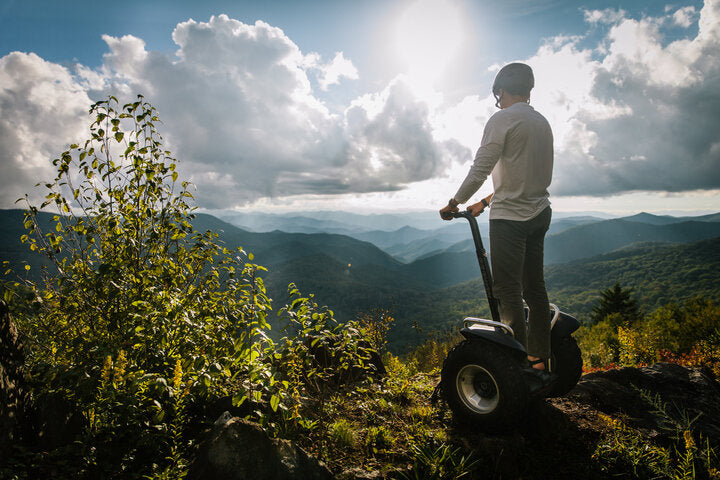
(428, 34)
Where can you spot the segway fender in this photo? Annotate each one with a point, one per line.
(495, 336)
(564, 326)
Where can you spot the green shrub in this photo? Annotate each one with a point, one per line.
(139, 317)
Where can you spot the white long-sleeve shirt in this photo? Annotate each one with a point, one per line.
(517, 147)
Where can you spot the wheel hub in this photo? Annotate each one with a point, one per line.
(477, 389)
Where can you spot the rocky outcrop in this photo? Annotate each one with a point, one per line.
(13, 392)
(641, 395)
(559, 436)
(237, 449)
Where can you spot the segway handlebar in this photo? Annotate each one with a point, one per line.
(464, 214)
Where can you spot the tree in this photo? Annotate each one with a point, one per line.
(616, 300)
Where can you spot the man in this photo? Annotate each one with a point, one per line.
(517, 147)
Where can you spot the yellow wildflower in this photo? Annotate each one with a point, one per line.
(120, 366)
(107, 368)
(177, 375)
(689, 441)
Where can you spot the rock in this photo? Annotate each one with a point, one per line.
(684, 392)
(13, 391)
(237, 449)
(358, 473)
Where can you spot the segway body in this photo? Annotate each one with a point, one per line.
(486, 380)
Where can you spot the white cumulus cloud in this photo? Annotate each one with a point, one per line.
(637, 113)
(42, 110)
(239, 111)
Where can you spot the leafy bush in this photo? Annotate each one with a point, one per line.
(375, 325)
(318, 355)
(343, 433)
(429, 356)
(140, 319)
(378, 440)
(686, 333)
(598, 343)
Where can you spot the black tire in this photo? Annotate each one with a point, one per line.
(483, 385)
(567, 364)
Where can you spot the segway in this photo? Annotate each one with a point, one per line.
(486, 380)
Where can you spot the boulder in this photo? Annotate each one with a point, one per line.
(237, 449)
(636, 393)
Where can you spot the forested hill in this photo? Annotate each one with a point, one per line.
(602, 237)
(657, 273)
(275, 247)
(268, 249)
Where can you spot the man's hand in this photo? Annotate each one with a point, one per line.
(477, 208)
(447, 211)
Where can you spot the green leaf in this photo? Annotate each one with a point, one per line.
(274, 401)
(119, 136)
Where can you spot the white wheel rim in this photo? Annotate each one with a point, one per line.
(477, 389)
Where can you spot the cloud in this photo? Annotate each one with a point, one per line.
(42, 110)
(637, 113)
(684, 17)
(239, 111)
(339, 67)
(607, 16)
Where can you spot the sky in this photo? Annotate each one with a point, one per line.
(373, 105)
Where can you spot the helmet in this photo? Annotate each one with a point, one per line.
(515, 79)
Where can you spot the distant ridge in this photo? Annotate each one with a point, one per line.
(601, 237)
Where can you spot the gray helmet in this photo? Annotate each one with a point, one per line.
(515, 79)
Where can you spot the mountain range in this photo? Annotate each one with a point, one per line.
(431, 275)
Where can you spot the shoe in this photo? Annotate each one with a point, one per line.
(539, 364)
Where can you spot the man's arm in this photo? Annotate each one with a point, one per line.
(491, 148)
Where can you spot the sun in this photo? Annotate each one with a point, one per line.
(428, 34)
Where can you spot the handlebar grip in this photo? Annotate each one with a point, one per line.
(462, 214)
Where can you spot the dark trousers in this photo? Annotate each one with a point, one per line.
(516, 255)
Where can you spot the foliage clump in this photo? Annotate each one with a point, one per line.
(139, 323)
(686, 333)
(139, 319)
